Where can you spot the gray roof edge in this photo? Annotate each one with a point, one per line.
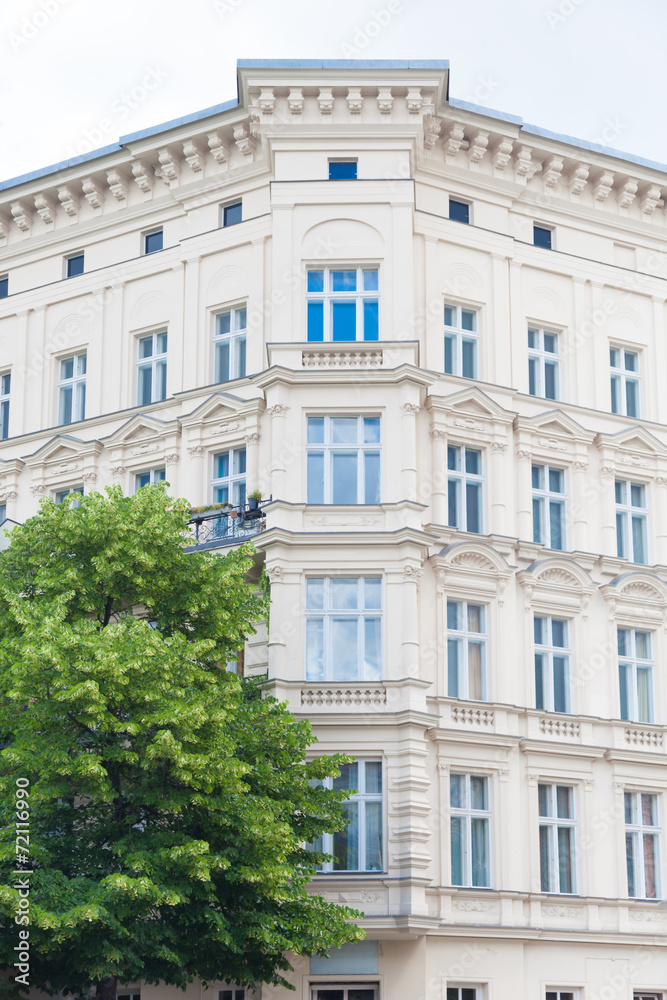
(479, 109)
(594, 147)
(342, 63)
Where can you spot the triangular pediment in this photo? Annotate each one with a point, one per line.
(140, 427)
(636, 439)
(61, 448)
(554, 423)
(472, 402)
(219, 406)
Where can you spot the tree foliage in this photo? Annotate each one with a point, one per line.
(169, 801)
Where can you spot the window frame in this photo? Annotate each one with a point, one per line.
(636, 663)
(328, 297)
(227, 207)
(152, 480)
(624, 376)
(80, 254)
(234, 337)
(146, 236)
(543, 357)
(78, 398)
(544, 498)
(326, 842)
(329, 450)
(333, 161)
(468, 814)
(542, 227)
(554, 823)
(233, 479)
(5, 396)
(63, 494)
(465, 479)
(627, 512)
(155, 361)
(4, 285)
(639, 831)
(461, 989)
(549, 650)
(458, 336)
(459, 201)
(328, 613)
(464, 637)
(345, 986)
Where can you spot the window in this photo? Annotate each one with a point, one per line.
(342, 170)
(128, 996)
(631, 517)
(344, 992)
(557, 838)
(234, 994)
(5, 385)
(343, 460)
(63, 494)
(72, 389)
(74, 265)
(4, 286)
(146, 478)
(624, 381)
(464, 488)
(543, 364)
(542, 237)
(642, 845)
(466, 650)
(343, 628)
(229, 344)
(231, 214)
(561, 995)
(152, 369)
(635, 669)
(552, 664)
(153, 241)
(459, 211)
(549, 506)
(358, 847)
(460, 341)
(469, 822)
(229, 469)
(343, 304)
(462, 993)
(3, 512)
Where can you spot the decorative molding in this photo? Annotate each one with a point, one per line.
(93, 192)
(549, 726)
(644, 737)
(524, 164)
(219, 148)
(465, 716)
(552, 172)
(560, 910)
(412, 574)
(650, 200)
(195, 451)
(580, 466)
(244, 141)
(275, 573)
(38, 491)
(252, 438)
(372, 696)
(652, 916)
(46, 208)
(603, 186)
(498, 447)
(473, 560)
(477, 148)
(266, 102)
(438, 434)
(228, 426)
(385, 100)
(473, 905)
(578, 179)
(143, 176)
(523, 455)
(355, 102)
(118, 470)
(346, 521)
(170, 169)
(325, 101)
(194, 156)
(117, 185)
(452, 142)
(277, 410)
(342, 359)
(147, 448)
(414, 100)
(626, 195)
(502, 155)
(173, 458)
(22, 216)
(560, 577)
(295, 101)
(69, 201)
(410, 409)
(89, 477)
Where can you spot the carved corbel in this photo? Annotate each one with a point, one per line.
(219, 149)
(46, 208)
(355, 101)
(69, 201)
(170, 169)
(650, 200)
(501, 155)
(266, 102)
(4, 231)
(414, 101)
(385, 100)
(524, 165)
(603, 186)
(143, 177)
(93, 193)
(552, 172)
(325, 101)
(578, 179)
(477, 148)
(295, 101)
(626, 195)
(244, 141)
(117, 184)
(452, 142)
(22, 216)
(194, 156)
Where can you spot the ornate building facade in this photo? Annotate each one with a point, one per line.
(431, 336)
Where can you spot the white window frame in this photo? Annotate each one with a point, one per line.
(634, 662)
(459, 201)
(144, 241)
(463, 991)
(329, 449)
(235, 337)
(154, 477)
(5, 392)
(623, 376)
(60, 495)
(328, 297)
(236, 482)
(77, 384)
(345, 987)
(626, 513)
(327, 613)
(325, 843)
(543, 499)
(549, 650)
(463, 636)
(468, 814)
(561, 993)
(73, 256)
(553, 823)
(547, 229)
(637, 830)
(542, 357)
(457, 335)
(223, 212)
(156, 360)
(464, 478)
(235, 992)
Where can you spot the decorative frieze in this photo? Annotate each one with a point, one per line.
(479, 717)
(644, 738)
(563, 728)
(372, 696)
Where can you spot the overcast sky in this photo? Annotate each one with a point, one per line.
(76, 74)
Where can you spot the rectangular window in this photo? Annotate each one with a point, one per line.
(631, 521)
(235, 993)
(152, 369)
(4, 286)
(635, 669)
(128, 996)
(230, 344)
(561, 995)
(153, 241)
(345, 991)
(231, 214)
(343, 460)
(343, 304)
(464, 488)
(342, 170)
(552, 664)
(358, 847)
(466, 650)
(344, 628)
(5, 386)
(462, 993)
(543, 364)
(146, 478)
(642, 845)
(469, 823)
(62, 494)
(542, 237)
(72, 389)
(624, 381)
(459, 211)
(74, 265)
(460, 341)
(548, 506)
(3, 512)
(557, 838)
(229, 469)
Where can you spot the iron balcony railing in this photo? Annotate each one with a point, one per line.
(227, 524)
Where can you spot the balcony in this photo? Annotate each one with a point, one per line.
(213, 528)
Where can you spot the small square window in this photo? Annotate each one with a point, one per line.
(153, 241)
(342, 170)
(74, 265)
(4, 286)
(231, 214)
(542, 237)
(459, 211)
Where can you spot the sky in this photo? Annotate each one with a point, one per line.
(76, 74)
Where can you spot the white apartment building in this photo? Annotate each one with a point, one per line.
(435, 338)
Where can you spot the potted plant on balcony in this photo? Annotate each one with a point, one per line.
(210, 508)
(253, 499)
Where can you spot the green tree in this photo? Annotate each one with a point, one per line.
(169, 801)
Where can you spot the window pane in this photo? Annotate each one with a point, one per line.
(480, 852)
(620, 536)
(468, 358)
(316, 321)
(344, 649)
(615, 394)
(65, 416)
(545, 858)
(637, 492)
(371, 430)
(533, 376)
(644, 712)
(630, 361)
(623, 681)
(539, 630)
(638, 546)
(372, 647)
(344, 594)
(623, 638)
(344, 430)
(539, 680)
(614, 357)
(556, 480)
(563, 802)
(457, 849)
(459, 211)
(374, 836)
(316, 281)
(467, 319)
(346, 842)
(232, 214)
(224, 323)
(544, 798)
(315, 593)
(344, 475)
(650, 858)
(372, 592)
(344, 320)
(473, 507)
(453, 457)
(240, 358)
(315, 473)
(343, 281)
(314, 649)
(222, 470)
(146, 347)
(559, 632)
(222, 361)
(631, 397)
(560, 684)
(452, 503)
(648, 810)
(161, 380)
(550, 380)
(454, 615)
(315, 430)
(373, 770)
(145, 384)
(533, 338)
(454, 647)
(630, 862)
(348, 777)
(457, 799)
(371, 329)
(450, 354)
(450, 316)
(370, 281)
(550, 343)
(475, 618)
(538, 527)
(372, 477)
(80, 407)
(240, 319)
(473, 462)
(478, 792)
(476, 671)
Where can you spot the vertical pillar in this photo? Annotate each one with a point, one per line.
(497, 488)
(409, 598)
(277, 637)
(659, 503)
(607, 509)
(578, 507)
(277, 471)
(524, 500)
(409, 450)
(254, 478)
(439, 476)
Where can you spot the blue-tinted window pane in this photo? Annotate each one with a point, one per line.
(372, 477)
(370, 281)
(240, 357)
(560, 684)
(232, 214)
(344, 475)
(224, 323)
(315, 430)
(145, 349)
(452, 503)
(315, 477)
(459, 211)
(371, 330)
(161, 380)
(556, 480)
(457, 849)
(636, 495)
(371, 430)
(539, 680)
(537, 473)
(372, 663)
(556, 523)
(161, 339)
(4, 288)
(153, 242)
(342, 170)
(638, 546)
(453, 457)
(457, 791)
(619, 491)
(624, 681)
(4, 419)
(344, 319)
(473, 461)
(74, 266)
(539, 628)
(239, 461)
(467, 320)
(344, 430)
(542, 237)
(615, 394)
(551, 343)
(534, 338)
(316, 320)
(533, 374)
(343, 281)
(473, 507)
(631, 398)
(450, 354)
(222, 359)
(314, 649)
(145, 384)
(143, 479)
(450, 316)
(453, 656)
(537, 520)
(468, 353)
(559, 632)
(316, 281)
(344, 649)
(550, 381)
(620, 536)
(222, 462)
(372, 592)
(480, 851)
